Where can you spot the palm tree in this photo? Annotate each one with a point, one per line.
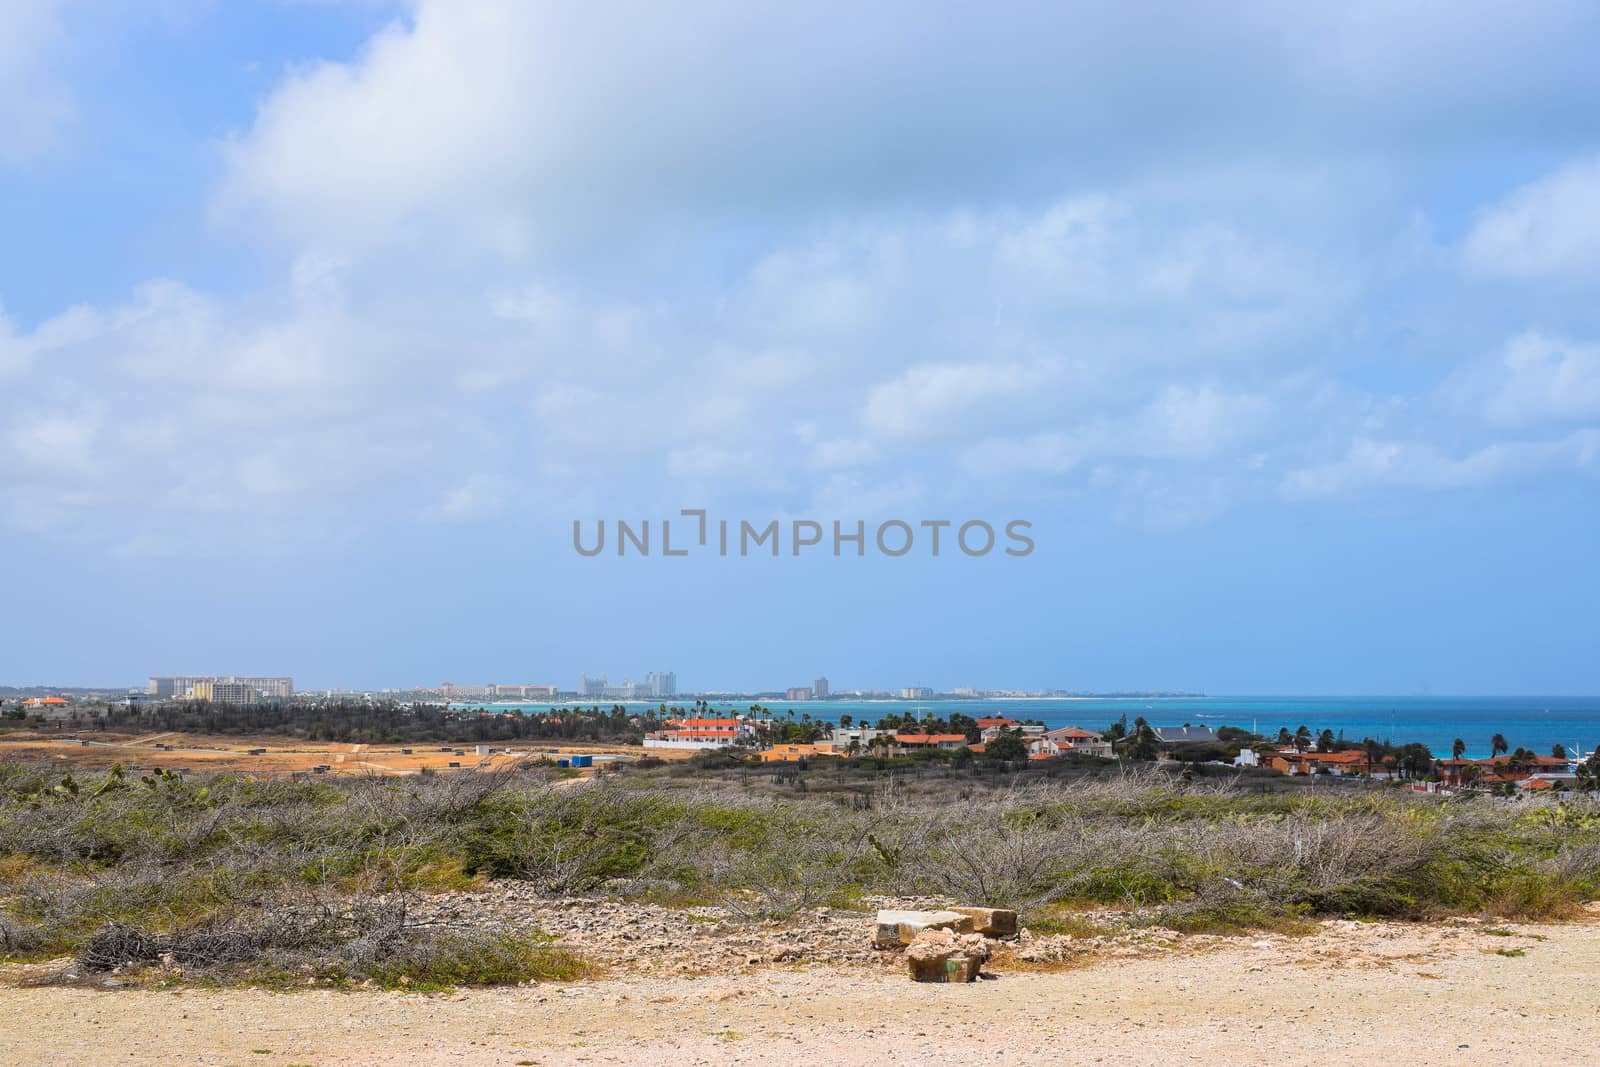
(1497, 745)
(1558, 750)
(1374, 752)
(1302, 739)
(1144, 741)
(1458, 749)
(1522, 760)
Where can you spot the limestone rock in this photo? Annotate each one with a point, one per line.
(896, 928)
(992, 922)
(942, 955)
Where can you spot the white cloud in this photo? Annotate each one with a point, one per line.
(481, 496)
(1536, 378)
(34, 103)
(932, 399)
(199, 421)
(961, 353)
(532, 252)
(520, 125)
(1549, 227)
(1376, 464)
(535, 304)
(55, 446)
(1182, 423)
(16, 354)
(1168, 499)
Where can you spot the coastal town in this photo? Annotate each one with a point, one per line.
(78, 730)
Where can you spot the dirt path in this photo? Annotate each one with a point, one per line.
(1419, 994)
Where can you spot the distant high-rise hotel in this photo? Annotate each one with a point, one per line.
(662, 683)
(916, 692)
(220, 692)
(591, 687)
(177, 687)
(799, 692)
(819, 688)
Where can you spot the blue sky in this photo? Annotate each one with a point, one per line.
(323, 321)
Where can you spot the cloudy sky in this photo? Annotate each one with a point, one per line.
(321, 322)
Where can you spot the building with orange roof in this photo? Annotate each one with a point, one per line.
(989, 727)
(1499, 769)
(1348, 761)
(701, 733)
(792, 753)
(1075, 739)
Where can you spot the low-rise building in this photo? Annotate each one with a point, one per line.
(1501, 769)
(1078, 740)
(792, 753)
(859, 736)
(701, 733)
(1351, 761)
(1168, 736)
(920, 741)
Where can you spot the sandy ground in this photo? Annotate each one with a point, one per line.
(1408, 994)
(205, 754)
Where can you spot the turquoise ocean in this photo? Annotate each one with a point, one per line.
(1533, 722)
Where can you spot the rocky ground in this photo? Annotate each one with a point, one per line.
(1461, 992)
(700, 986)
(655, 940)
(651, 939)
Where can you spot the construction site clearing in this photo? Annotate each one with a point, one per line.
(279, 757)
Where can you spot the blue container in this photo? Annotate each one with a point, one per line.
(563, 763)
(583, 761)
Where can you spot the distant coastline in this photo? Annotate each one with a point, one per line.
(1435, 721)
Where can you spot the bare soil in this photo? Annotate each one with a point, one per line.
(1450, 992)
(284, 756)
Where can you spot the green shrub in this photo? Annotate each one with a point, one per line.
(444, 961)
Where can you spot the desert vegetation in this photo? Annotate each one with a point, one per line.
(293, 882)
